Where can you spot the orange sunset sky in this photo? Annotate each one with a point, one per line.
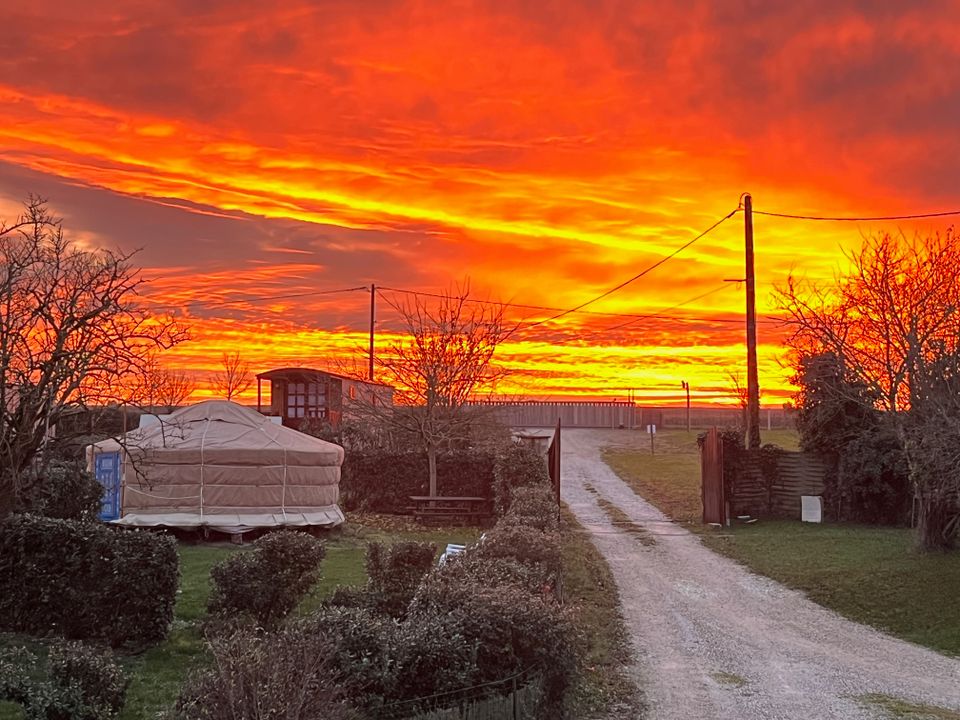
(547, 150)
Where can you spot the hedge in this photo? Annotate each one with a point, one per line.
(63, 489)
(269, 580)
(384, 482)
(77, 683)
(517, 466)
(483, 616)
(83, 580)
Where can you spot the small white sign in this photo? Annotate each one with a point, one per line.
(811, 508)
(652, 429)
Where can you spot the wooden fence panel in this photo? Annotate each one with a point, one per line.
(711, 478)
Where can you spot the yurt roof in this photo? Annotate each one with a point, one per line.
(216, 430)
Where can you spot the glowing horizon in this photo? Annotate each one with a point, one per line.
(259, 152)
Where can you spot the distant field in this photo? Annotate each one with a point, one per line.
(670, 477)
(869, 574)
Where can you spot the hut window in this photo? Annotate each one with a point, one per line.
(306, 400)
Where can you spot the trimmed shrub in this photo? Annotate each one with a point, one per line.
(393, 574)
(533, 506)
(63, 489)
(470, 567)
(268, 581)
(383, 482)
(511, 630)
(361, 641)
(288, 674)
(525, 545)
(83, 580)
(395, 571)
(517, 466)
(431, 654)
(79, 684)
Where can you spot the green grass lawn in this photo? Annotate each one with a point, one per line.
(156, 674)
(604, 690)
(869, 574)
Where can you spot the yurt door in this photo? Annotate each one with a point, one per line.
(107, 469)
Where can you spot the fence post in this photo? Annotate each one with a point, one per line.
(513, 684)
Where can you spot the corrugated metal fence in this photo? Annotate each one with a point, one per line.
(797, 473)
(620, 413)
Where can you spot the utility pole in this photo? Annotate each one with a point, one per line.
(686, 386)
(753, 380)
(373, 310)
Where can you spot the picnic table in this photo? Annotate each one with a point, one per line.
(426, 508)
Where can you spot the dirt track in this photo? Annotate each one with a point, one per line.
(713, 640)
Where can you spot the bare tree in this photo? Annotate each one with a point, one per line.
(893, 323)
(156, 388)
(71, 333)
(234, 378)
(445, 361)
(740, 392)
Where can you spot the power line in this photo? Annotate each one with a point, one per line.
(640, 274)
(264, 298)
(631, 316)
(661, 314)
(917, 216)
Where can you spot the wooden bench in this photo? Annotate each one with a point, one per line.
(427, 509)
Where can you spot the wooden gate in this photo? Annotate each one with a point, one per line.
(553, 461)
(711, 479)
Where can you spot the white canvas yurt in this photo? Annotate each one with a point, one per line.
(218, 465)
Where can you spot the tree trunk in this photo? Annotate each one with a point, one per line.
(432, 465)
(936, 524)
(7, 494)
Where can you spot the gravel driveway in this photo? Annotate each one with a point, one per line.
(713, 640)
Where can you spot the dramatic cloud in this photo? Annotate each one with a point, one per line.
(548, 151)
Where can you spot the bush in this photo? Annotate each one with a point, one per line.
(78, 684)
(64, 489)
(470, 567)
(383, 482)
(525, 545)
(268, 581)
(517, 466)
(82, 580)
(512, 631)
(430, 654)
(872, 482)
(394, 572)
(288, 674)
(361, 641)
(532, 507)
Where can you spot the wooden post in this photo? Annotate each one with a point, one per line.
(373, 310)
(753, 382)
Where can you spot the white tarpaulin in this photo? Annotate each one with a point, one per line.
(221, 465)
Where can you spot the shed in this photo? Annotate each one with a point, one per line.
(299, 394)
(220, 465)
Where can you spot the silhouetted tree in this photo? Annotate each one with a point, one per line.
(444, 361)
(233, 379)
(71, 333)
(893, 321)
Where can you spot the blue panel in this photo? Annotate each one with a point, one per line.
(106, 467)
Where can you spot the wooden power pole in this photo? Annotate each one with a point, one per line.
(686, 386)
(753, 380)
(373, 310)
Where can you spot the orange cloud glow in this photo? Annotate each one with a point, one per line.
(259, 155)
